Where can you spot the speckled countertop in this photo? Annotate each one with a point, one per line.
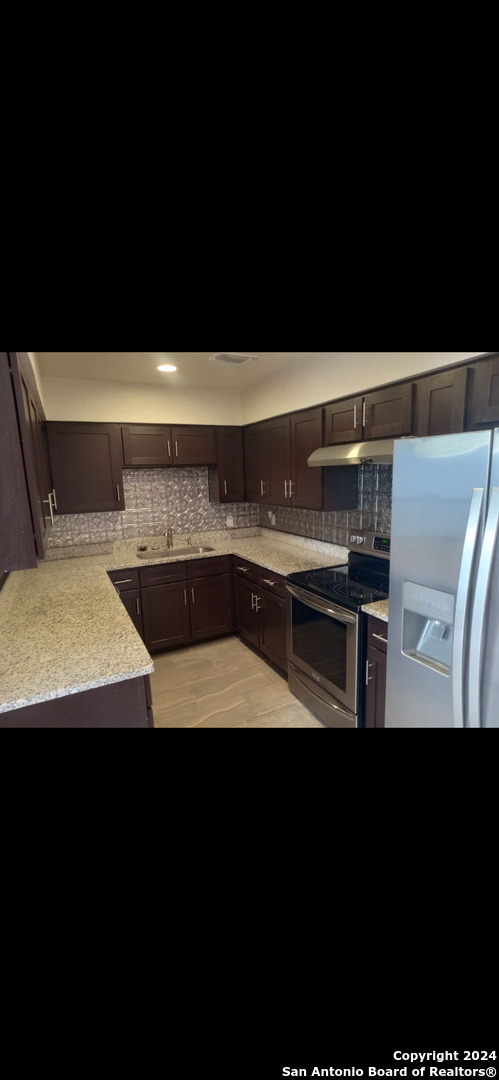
(63, 628)
(380, 610)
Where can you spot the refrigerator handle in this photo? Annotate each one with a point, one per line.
(479, 606)
(463, 589)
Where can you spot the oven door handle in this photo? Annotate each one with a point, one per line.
(321, 605)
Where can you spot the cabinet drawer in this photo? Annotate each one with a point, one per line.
(377, 633)
(125, 579)
(246, 569)
(162, 574)
(201, 568)
(272, 582)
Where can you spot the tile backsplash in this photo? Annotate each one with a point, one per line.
(159, 499)
(155, 500)
(336, 526)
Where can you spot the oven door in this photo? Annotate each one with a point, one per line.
(323, 644)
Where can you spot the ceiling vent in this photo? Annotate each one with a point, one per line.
(233, 357)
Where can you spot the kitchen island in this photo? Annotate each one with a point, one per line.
(70, 655)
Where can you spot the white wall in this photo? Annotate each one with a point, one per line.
(332, 375)
(36, 372)
(138, 403)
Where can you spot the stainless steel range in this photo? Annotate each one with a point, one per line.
(326, 630)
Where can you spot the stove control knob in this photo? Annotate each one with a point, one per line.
(353, 539)
(360, 539)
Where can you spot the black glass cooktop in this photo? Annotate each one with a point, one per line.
(349, 586)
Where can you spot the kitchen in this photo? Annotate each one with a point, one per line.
(226, 392)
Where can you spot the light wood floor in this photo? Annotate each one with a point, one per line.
(223, 684)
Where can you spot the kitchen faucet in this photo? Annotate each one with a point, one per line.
(169, 538)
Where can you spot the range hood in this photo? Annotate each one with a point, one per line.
(377, 452)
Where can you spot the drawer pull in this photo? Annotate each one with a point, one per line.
(268, 581)
(381, 638)
(244, 569)
(124, 581)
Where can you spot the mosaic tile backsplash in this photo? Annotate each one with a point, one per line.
(159, 499)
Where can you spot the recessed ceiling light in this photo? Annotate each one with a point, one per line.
(167, 367)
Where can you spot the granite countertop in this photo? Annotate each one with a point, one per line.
(64, 629)
(379, 609)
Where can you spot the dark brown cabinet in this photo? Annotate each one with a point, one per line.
(25, 485)
(381, 414)
(226, 480)
(150, 445)
(186, 602)
(267, 461)
(256, 462)
(127, 585)
(377, 639)
(483, 407)
(86, 464)
(441, 402)
(261, 609)
(306, 485)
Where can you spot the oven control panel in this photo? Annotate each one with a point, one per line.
(371, 543)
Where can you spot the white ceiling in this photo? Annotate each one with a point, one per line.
(193, 369)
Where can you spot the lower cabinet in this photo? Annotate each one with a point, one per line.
(175, 604)
(261, 609)
(377, 638)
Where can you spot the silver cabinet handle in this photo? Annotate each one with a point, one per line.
(363, 413)
(381, 638)
(368, 679)
(176, 448)
(137, 605)
(254, 602)
(54, 498)
(118, 492)
(463, 588)
(262, 487)
(49, 501)
(169, 449)
(268, 581)
(185, 597)
(124, 581)
(355, 416)
(291, 492)
(479, 609)
(285, 489)
(244, 569)
(192, 595)
(225, 487)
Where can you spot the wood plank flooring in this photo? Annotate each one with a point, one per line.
(223, 684)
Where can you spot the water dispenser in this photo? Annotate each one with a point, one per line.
(428, 625)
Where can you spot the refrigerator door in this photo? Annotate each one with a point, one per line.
(483, 686)
(440, 494)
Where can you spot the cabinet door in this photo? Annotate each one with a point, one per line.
(17, 542)
(246, 613)
(376, 688)
(343, 421)
(86, 462)
(256, 463)
(440, 403)
(226, 481)
(388, 412)
(146, 445)
(165, 614)
(272, 616)
(193, 445)
(211, 606)
(279, 461)
(306, 436)
(33, 438)
(131, 600)
(484, 398)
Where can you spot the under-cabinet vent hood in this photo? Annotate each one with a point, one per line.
(377, 452)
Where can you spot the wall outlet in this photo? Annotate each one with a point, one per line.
(230, 521)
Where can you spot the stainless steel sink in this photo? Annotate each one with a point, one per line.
(171, 553)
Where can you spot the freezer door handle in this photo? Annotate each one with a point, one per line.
(479, 609)
(463, 588)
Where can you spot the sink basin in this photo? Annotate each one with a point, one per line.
(172, 553)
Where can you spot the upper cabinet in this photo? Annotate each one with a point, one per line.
(18, 546)
(381, 414)
(226, 480)
(441, 402)
(483, 409)
(34, 441)
(86, 461)
(157, 445)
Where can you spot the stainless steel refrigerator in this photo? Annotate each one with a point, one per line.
(443, 632)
